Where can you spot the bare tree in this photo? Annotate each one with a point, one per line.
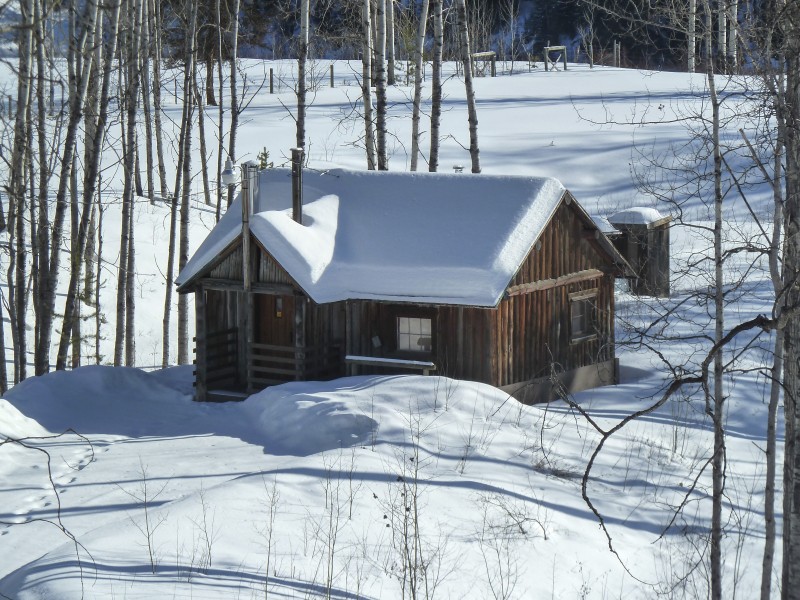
(466, 60)
(436, 83)
(234, 99)
(366, 85)
(302, 58)
(418, 65)
(380, 86)
(390, 45)
(183, 243)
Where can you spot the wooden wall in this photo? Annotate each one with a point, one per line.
(531, 330)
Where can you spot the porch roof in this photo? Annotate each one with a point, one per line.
(393, 236)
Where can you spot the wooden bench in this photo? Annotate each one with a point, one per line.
(374, 361)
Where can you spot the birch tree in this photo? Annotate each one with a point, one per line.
(419, 51)
(466, 61)
(183, 247)
(436, 83)
(49, 267)
(380, 86)
(788, 14)
(366, 84)
(302, 58)
(16, 186)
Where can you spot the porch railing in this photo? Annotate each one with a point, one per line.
(221, 358)
(271, 364)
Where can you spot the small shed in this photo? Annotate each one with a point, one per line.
(503, 280)
(643, 239)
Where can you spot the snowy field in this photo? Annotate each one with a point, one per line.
(403, 486)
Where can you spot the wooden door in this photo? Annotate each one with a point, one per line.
(274, 320)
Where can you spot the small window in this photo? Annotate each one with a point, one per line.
(583, 311)
(414, 334)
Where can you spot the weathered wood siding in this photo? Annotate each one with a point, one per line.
(460, 345)
(263, 267)
(531, 331)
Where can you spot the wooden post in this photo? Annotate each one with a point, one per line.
(494, 65)
(331, 75)
(249, 193)
(175, 90)
(200, 356)
(271, 82)
(348, 345)
(299, 336)
(546, 56)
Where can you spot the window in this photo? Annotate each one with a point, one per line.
(583, 322)
(414, 334)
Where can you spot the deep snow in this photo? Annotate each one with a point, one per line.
(317, 480)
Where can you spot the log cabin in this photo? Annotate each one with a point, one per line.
(315, 275)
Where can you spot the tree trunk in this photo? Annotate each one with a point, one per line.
(221, 109)
(17, 185)
(791, 474)
(474, 151)
(201, 128)
(97, 111)
(302, 58)
(49, 275)
(156, 28)
(366, 86)
(234, 91)
(380, 86)
(691, 37)
(390, 39)
(210, 99)
(124, 337)
(418, 61)
(183, 243)
(146, 94)
(436, 83)
(717, 412)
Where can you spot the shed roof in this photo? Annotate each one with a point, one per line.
(393, 236)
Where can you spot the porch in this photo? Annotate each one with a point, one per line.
(231, 370)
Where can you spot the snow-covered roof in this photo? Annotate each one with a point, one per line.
(637, 215)
(603, 224)
(394, 236)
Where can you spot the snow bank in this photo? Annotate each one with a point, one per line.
(102, 399)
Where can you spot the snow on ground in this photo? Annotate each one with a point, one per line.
(316, 489)
(327, 482)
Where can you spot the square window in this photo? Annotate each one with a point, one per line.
(414, 334)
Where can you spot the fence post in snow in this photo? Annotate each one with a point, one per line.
(271, 86)
(331, 74)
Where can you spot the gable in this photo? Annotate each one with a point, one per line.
(570, 243)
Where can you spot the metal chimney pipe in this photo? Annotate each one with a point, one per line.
(249, 192)
(297, 184)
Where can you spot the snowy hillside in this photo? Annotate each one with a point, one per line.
(406, 486)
